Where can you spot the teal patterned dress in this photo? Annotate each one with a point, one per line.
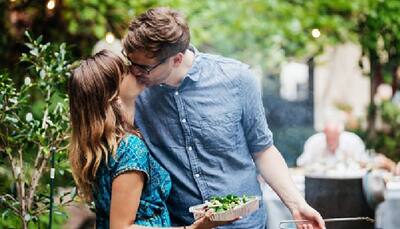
(132, 154)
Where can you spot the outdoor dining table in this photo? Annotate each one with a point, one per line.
(331, 196)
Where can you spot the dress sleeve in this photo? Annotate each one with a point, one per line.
(132, 154)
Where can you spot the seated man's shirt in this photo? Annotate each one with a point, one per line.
(316, 151)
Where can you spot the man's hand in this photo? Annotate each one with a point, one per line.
(381, 161)
(306, 212)
(275, 172)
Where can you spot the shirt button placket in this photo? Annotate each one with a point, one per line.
(197, 175)
(192, 157)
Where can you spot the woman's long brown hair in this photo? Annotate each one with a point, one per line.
(98, 123)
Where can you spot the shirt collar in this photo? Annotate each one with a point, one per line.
(195, 65)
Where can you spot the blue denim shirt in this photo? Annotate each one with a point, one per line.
(205, 132)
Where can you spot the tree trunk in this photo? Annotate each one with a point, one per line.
(376, 79)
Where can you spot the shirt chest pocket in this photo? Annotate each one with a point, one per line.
(220, 132)
(166, 132)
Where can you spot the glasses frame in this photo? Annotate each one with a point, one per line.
(143, 68)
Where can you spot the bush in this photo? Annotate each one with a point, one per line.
(386, 138)
(33, 125)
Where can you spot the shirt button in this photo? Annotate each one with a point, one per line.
(190, 148)
(197, 175)
(183, 120)
(176, 93)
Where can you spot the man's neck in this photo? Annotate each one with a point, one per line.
(179, 73)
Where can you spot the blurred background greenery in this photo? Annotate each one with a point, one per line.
(262, 33)
(256, 31)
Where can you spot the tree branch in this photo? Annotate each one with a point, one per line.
(35, 181)
(20, 187)
(14, 209)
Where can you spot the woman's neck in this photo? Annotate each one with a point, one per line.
(128, 108)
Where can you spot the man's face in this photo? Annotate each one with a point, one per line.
(149, 71)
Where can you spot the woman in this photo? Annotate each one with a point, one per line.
(110, 163)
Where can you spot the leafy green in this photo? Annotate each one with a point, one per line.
(228, 202)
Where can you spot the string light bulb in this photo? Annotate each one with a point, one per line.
(315, 33)
(110, 37)
(51, 4)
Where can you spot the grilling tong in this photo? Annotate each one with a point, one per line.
(284, 222)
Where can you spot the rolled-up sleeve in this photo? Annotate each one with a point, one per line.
(254, 122)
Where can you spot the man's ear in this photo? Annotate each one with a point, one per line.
(177, 59)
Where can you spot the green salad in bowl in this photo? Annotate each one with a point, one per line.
(225, 208)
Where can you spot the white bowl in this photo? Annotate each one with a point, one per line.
(252, 205)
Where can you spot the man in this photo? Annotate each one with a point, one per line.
(331, 146)
(334, 145)
(203, 120)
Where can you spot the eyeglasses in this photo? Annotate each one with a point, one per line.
(143, 68)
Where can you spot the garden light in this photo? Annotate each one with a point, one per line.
(110, 37)
(315, 33)
(51, 4)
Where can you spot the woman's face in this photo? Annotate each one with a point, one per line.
(130, 88)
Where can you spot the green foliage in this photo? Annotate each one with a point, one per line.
(386, 139)
(27, 136)
(379, 36)
(256, 31)
(96, 17)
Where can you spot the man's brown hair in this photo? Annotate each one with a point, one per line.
(160, 32)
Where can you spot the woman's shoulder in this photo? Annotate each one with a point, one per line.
(131, 140)
(132, 146)
(132, 154)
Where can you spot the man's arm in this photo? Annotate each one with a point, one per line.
(274, 170)
(269, 161)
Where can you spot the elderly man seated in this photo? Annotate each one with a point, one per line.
(334, 145)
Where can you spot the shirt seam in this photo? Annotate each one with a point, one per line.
(130, 168)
